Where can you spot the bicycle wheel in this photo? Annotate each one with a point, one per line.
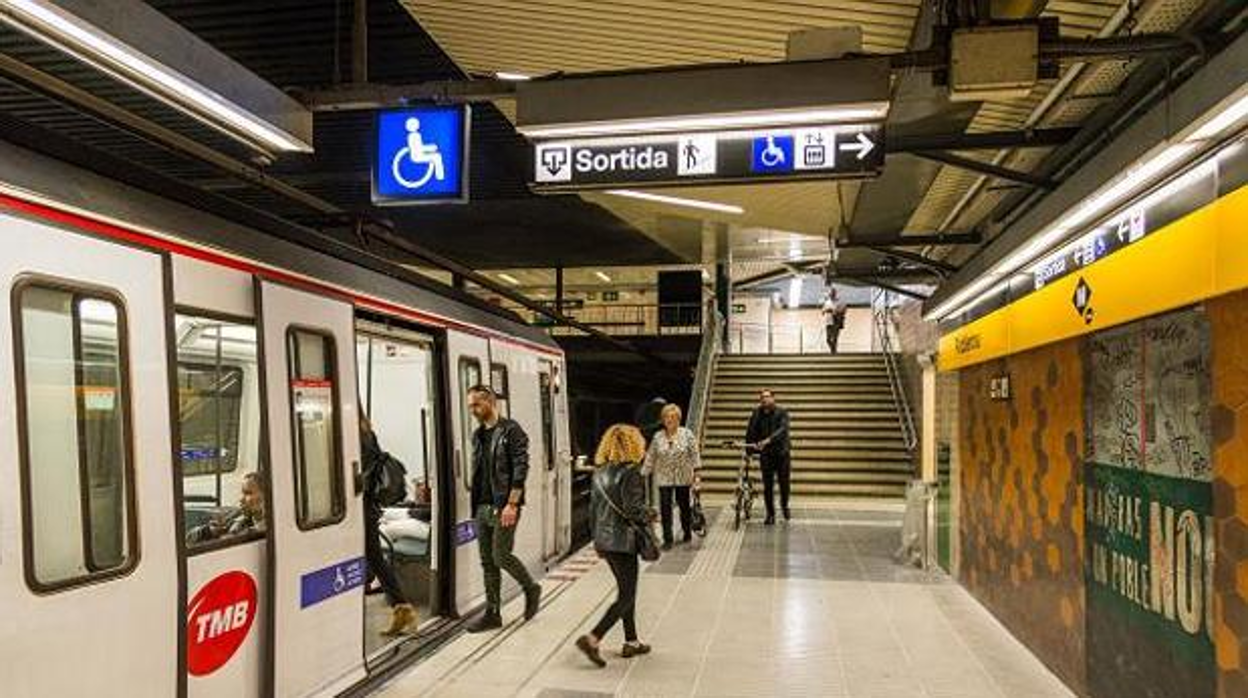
(737, 505)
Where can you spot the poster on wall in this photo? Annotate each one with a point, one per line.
(1148, 509)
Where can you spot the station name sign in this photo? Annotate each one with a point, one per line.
(819, 152)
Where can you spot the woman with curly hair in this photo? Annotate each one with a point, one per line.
(619, 510)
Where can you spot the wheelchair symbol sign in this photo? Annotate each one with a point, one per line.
(421, 155)
(772, 153)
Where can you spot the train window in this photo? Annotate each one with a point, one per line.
(546, 390)
(469, 375)
(313, 393)
(73, 398)
(219, 418)
(498, 381)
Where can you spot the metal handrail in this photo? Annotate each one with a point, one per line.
(700, 395)
(882, 312)
(772, 331)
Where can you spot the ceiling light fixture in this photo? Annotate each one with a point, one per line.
(89, 44)
(1104, 200)
(850, 113)
(1229, 117)
(678, 201)
(513, 77)
(603, 275)
(509, 278)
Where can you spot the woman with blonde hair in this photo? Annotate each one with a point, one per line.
(618, 506)
(673, 459)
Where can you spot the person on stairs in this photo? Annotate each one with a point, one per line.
(500, 465)
(768, 435)
(833, 318)
(673, 460)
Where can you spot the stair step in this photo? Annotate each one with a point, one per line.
(815, 490)
(805, 409)
(814, 476)
(817, 455)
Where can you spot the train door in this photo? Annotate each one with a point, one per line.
(317, 568)
(468, 356)
(552, 472)
(224, 479)
(86, 463)
(399, 372)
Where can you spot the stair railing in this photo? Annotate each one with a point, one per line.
(712, 334)
(881, 306)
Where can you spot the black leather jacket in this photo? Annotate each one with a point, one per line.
(773, 425)
(624, 484)
(511, 460)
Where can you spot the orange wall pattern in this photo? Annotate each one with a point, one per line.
(1228, 316)
(1021, 528)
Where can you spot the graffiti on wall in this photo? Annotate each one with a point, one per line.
(1149, 507)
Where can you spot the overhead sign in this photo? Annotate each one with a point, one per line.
(710, 157)
(421, 155)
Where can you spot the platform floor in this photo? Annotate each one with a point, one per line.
(816, 607)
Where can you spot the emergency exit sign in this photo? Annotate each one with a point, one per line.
(807, 152)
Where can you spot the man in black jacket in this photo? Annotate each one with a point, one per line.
(768, 435)
(500, 464)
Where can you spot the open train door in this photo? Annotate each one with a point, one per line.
(316, 563)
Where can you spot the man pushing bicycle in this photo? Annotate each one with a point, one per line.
(768, 435)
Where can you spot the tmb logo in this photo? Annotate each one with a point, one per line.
(218, 620)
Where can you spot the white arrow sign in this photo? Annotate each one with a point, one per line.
(862, 147)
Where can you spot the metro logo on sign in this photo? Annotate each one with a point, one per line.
(218, 620)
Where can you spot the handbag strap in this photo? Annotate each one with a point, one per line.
(611, 503)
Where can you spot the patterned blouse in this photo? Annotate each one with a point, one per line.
(673, 459)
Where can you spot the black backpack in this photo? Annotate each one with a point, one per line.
(385, 479)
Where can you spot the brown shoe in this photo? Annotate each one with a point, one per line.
(401, 616)
(634, 649)
(586, 646)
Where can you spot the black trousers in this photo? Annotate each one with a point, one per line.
(624, 567)
(775, 467)
(377, 564)
(681, 493)
(834, 335)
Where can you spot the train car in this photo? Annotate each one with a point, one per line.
(180, 501)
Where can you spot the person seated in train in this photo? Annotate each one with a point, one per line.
(402, 613)
(249, 516)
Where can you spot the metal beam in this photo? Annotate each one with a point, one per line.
(942, 268)
(868, 281)
(368, 97)
(971, 238)
(987, 168)
(992, 140)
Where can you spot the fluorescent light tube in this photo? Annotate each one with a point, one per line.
(509, 278)
(709, 122)
(514, 77)
(1227, 118)
(603, 276)
(677, 201)
(89, 44)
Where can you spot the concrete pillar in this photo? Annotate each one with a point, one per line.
(927, 419)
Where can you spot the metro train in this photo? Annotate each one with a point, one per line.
(180, 502)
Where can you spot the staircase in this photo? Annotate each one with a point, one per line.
(844, 423)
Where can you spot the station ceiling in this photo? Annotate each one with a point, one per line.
(305, 45)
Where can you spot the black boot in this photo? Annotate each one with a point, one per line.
(532, 601)
(489, 621)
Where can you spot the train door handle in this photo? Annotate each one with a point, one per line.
(357, 478)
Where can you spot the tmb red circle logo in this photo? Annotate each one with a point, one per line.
(217, 621)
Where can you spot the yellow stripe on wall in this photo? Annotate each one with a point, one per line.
(1201, 255)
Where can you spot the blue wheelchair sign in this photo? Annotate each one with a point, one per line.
(772, 154)
(422, 155)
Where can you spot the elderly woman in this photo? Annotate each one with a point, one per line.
(674, 461)
(618, 506)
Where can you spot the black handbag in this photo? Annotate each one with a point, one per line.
(647, 544)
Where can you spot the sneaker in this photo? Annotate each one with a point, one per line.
(401, 616)
(489, 621)
(532, 601)
(586, 646)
